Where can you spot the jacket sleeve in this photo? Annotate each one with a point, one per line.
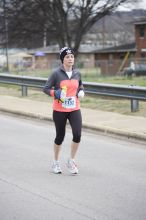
(49, 86)
(81, 87)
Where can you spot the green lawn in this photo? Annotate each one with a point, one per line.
(138, 81)
(93, 76)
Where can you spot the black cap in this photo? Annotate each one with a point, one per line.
(65, 51)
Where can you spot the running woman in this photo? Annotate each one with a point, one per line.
(65, 86)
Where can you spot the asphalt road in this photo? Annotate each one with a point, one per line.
(111, 184)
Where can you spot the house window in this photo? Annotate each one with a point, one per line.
(121, 56)
(141, 30)
(142, 55)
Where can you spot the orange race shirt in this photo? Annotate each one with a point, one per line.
(59, 79)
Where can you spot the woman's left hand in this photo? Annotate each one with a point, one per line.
(81, 94)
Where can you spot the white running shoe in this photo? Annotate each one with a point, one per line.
(56, 167)
(72, 166)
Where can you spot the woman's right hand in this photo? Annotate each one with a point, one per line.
(57, 94)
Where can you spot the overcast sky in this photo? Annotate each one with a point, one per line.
(140, 5)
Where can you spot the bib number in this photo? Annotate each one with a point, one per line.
(69, 102)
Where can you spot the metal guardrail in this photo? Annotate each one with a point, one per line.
(134, 93)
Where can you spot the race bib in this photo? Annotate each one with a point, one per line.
(69, 102)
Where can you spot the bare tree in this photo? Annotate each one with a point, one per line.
(62, 21)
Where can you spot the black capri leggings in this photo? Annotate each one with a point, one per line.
(60, 120)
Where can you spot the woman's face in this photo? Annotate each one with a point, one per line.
(68, 60)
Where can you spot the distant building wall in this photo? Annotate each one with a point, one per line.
(52, 60)
(140, 38)
(46, 61)
(110, 63)
(86, 60)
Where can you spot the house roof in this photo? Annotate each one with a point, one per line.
(55, 49)
(121, 48)
(140, 21)
(49, 49)
(86, 49)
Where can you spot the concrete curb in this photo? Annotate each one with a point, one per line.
(103, 129)
(117, 132)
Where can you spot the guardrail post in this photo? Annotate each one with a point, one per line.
(134, 105)
(24, 90)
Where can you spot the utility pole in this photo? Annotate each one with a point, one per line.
(103, 32)
(45, 38)
(6, 34)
